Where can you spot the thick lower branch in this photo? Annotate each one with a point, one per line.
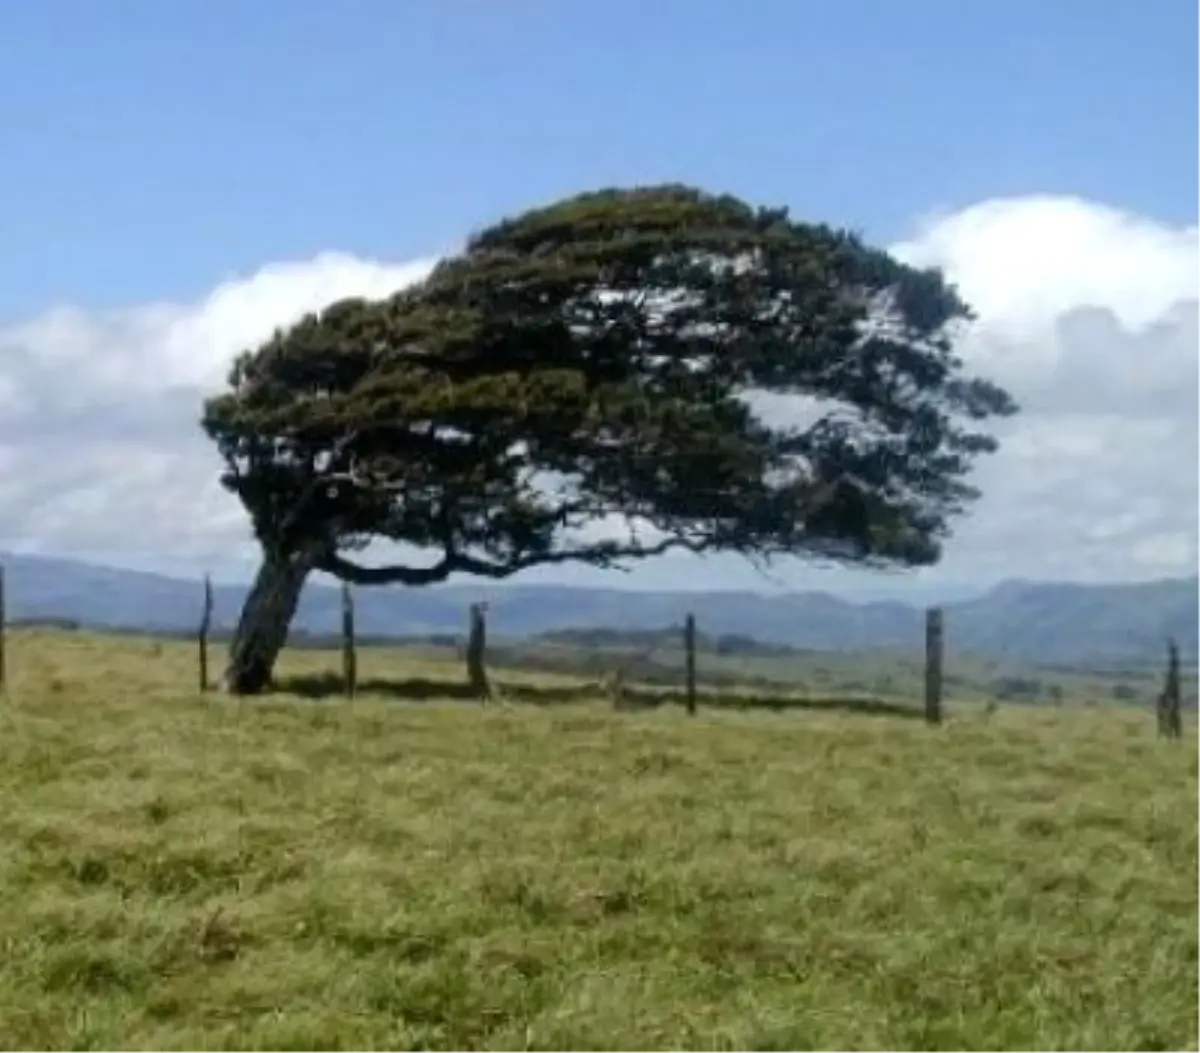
(605, 555)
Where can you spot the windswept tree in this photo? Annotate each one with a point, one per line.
(618, 375)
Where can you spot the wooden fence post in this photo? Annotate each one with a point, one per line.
(934, 651)
(202, 633)
(1170, 719)
(477, 677)
(689, 651)
(349, 653)
(2, 632)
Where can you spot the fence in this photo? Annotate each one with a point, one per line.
(621, 673)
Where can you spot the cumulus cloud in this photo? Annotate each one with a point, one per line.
(1087, 314)
(100, 447)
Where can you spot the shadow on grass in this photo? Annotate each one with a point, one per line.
(419, 689)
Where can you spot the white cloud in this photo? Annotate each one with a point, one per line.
(99, 438)
(1088, 314)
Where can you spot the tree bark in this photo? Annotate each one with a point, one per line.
(263, 626)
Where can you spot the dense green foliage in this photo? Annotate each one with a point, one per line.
(600, 359)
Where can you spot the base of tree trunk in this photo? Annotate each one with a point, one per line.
(248, 679)
(262, 629)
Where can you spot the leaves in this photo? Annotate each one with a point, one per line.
(602, 357)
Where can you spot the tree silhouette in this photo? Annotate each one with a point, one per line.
(600, 381)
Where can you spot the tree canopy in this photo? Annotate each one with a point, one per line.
(599, 380)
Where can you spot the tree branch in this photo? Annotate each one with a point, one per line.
(604, 554)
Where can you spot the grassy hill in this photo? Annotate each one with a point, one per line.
(181, 872)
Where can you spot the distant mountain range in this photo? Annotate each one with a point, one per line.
(1059, 624)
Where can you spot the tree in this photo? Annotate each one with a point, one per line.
(598, 381)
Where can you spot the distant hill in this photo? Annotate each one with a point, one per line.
(1084, 625)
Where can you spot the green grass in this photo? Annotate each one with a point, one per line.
(312, 874)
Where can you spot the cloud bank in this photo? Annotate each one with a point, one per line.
(1087, 314)
(101, 455)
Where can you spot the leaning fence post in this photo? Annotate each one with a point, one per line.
(349, 654)
(689, 652)
(934, 650)
(1170, 719)
(202, 632)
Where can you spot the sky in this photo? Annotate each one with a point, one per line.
(179, 179)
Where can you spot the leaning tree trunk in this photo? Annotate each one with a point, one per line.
(263, 626)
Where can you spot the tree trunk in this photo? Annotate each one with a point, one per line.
(263, 626)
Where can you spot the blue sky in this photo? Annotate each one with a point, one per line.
(179, 177)
(151, 148)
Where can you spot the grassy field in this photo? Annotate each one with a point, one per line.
(306, 873)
